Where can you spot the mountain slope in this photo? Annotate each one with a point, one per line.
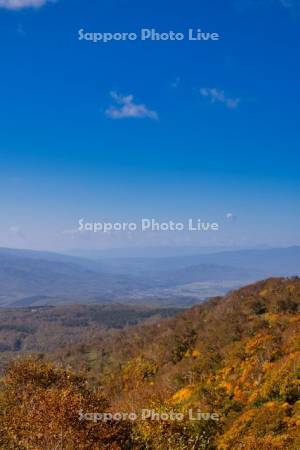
(237, 356)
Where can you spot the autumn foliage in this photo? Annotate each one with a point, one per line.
(238, 356)
(40, 407)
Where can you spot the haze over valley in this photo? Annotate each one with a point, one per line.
(31, 278)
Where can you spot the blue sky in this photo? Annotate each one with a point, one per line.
(170, 130)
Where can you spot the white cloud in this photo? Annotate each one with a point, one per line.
(230, 216)
(127, 108)
(21, 4)
(17, 231)
(216, 95)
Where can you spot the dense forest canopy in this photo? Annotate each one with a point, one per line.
(233, 362)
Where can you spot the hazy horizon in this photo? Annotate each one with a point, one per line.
(147, 252)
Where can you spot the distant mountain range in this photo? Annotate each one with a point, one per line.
(31, 278)
(274, 261)
(61, 278)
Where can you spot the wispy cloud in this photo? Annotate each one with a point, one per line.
(230, 216)
(215, 95)
(126, 108)
(21, 4)
(16, 230)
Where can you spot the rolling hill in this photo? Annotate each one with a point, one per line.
(44, 278)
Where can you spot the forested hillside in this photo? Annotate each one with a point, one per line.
(235, 360)
(46, 329)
